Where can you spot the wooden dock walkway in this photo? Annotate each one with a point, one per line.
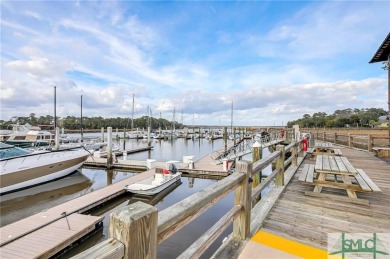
(50, 239)
(32, 226)
(127, 151)
(308, 220)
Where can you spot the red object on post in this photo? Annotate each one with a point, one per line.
(304, 144)
(166, 171)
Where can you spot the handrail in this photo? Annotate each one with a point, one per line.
(364, 142)
(176, 216)
(263, 163)
(202, 243)
(257, 191)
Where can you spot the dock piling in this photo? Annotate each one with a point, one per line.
(149, 142)
(257, 154)
(279, 179)
(109, 147)
(57, 139)
(136, 227)
(243, 198)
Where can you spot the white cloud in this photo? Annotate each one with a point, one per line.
(131, 52)
(325, 30)
(38, 68)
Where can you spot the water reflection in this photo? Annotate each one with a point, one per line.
(17, 205)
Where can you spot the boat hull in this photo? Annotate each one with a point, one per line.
(150, 189)
(26, 171)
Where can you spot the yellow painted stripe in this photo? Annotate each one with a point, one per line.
(291, 247)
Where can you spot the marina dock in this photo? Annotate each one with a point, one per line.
(47, 240)
(31, 228)
(126, 151)
(300, 224)
(285, 214)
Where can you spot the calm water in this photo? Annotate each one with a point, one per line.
(21, 204)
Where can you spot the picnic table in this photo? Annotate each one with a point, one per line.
(324, 147)
(338, 173)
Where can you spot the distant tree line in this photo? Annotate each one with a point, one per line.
(74, 123)
(367, 117)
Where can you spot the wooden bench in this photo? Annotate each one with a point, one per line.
(307, 174)
(365, 182)
(381, 151)
(337, 152)
(310, 150)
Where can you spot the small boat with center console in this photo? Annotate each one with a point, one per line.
(21, 168)
(161, 180)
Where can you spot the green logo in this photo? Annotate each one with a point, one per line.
(358, 245)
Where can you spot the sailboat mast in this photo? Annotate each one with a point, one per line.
(81, 118)
(55, 108)
(173, 118)
(132, 115)
(231, 120)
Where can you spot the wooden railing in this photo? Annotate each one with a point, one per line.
(366, 142)
(137, 229)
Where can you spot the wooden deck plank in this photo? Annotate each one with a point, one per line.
(318, 166)
(372, 185)
(362, 183)
(341, 165)
(302, 176)
(325, 163)
(310, 174)
(51, 239)
(309, 219)
(15, 254)
(333, 164)
(348, 165)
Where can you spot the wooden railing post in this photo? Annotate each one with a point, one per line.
(243, 197)
(257, 154)
(369, 144)
(109, 147)
(279, 179)
(335, 138)
(323, 136)
(294, 154)
(136, 227)
(349, 140)
(311, 140)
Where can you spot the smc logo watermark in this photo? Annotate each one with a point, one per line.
(359, 245)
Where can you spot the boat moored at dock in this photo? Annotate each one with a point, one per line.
(21, 168)
(154, 184)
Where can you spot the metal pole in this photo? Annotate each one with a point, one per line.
(132, 115)
(81, 119)
(231, 120)
(55, 105)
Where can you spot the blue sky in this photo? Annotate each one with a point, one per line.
(276, 60)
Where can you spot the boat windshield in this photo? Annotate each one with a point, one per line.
(7, 151)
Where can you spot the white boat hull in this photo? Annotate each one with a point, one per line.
(152, 185)
(26, 171)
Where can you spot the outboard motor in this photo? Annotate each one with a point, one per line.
(172, 169)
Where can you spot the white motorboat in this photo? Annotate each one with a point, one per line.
(154, 184)
(22, 169)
